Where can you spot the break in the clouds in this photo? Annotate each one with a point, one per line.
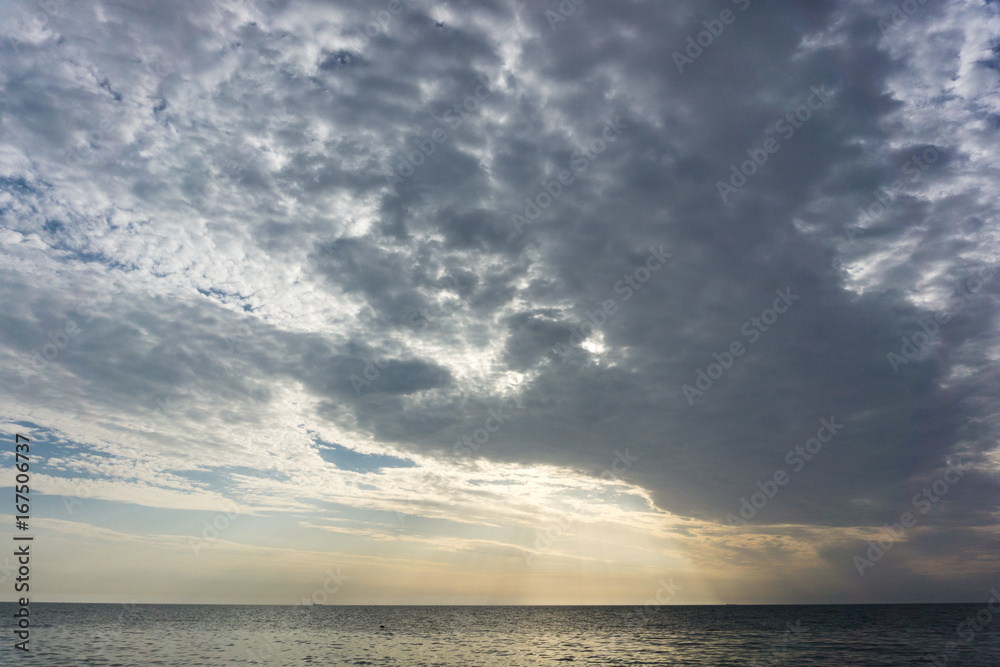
(502, 301)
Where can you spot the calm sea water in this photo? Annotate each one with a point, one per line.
(190, 635)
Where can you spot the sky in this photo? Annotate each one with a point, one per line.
(502, 302)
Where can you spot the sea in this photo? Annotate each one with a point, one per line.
(504, 636)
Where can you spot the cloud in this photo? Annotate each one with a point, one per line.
(232, 231)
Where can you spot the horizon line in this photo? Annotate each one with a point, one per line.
(658, 605)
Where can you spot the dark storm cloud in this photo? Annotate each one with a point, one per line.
(825, 358)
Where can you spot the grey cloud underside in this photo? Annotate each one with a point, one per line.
(432, 261)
